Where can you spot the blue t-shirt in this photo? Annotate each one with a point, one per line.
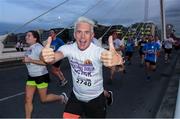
(55, 44)
(151, 48)
(129, 46)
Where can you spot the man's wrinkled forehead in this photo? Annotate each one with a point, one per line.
(83, 26)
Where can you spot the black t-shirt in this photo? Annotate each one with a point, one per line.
(141, 44)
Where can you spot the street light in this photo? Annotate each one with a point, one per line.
(59, 17)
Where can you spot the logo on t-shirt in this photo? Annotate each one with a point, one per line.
(82, 68)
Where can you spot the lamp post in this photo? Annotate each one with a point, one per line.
(163, 20)
(146, 10)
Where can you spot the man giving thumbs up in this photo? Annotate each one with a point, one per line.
(86, 60)
(111, 57)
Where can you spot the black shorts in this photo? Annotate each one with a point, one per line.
(57, 64)
(129, 54)
(40, 79)
(95, 108)
(168, 51)
(141, 53)
(151, 62)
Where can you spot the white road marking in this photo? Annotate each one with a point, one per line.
(12, 96)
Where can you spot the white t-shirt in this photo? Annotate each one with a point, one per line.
(86, 68)
(159, 43)
(21, 45)
(17, 44)
(168, 43)
(117, 43)
(33, 69)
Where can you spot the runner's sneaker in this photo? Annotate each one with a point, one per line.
(110, 98)
(65, 100)
(63, 82)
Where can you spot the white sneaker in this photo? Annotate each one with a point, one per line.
(65, 100)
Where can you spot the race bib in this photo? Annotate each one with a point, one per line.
(85, 82)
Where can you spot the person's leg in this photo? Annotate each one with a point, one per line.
(96, 108)
(50, 97)
(166, 56)
(58, 73)
(30, 90)
(17, 49)
(147, 70)
(63, 81)
(112, 72)
(126, 58)
(61, 74)
(130, 57)
(153, 67)
(142, 59)
(169, 55)
(170, 51)
(73, 109)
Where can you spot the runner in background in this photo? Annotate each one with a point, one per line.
(56, 44)
(151, 51)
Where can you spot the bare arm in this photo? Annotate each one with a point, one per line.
(58, 56)
(29, 60)
(39, 62)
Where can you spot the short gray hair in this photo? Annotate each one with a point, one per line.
(84, 20)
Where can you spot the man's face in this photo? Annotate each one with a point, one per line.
(114, 36)
(83, 35)
(151, 38)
